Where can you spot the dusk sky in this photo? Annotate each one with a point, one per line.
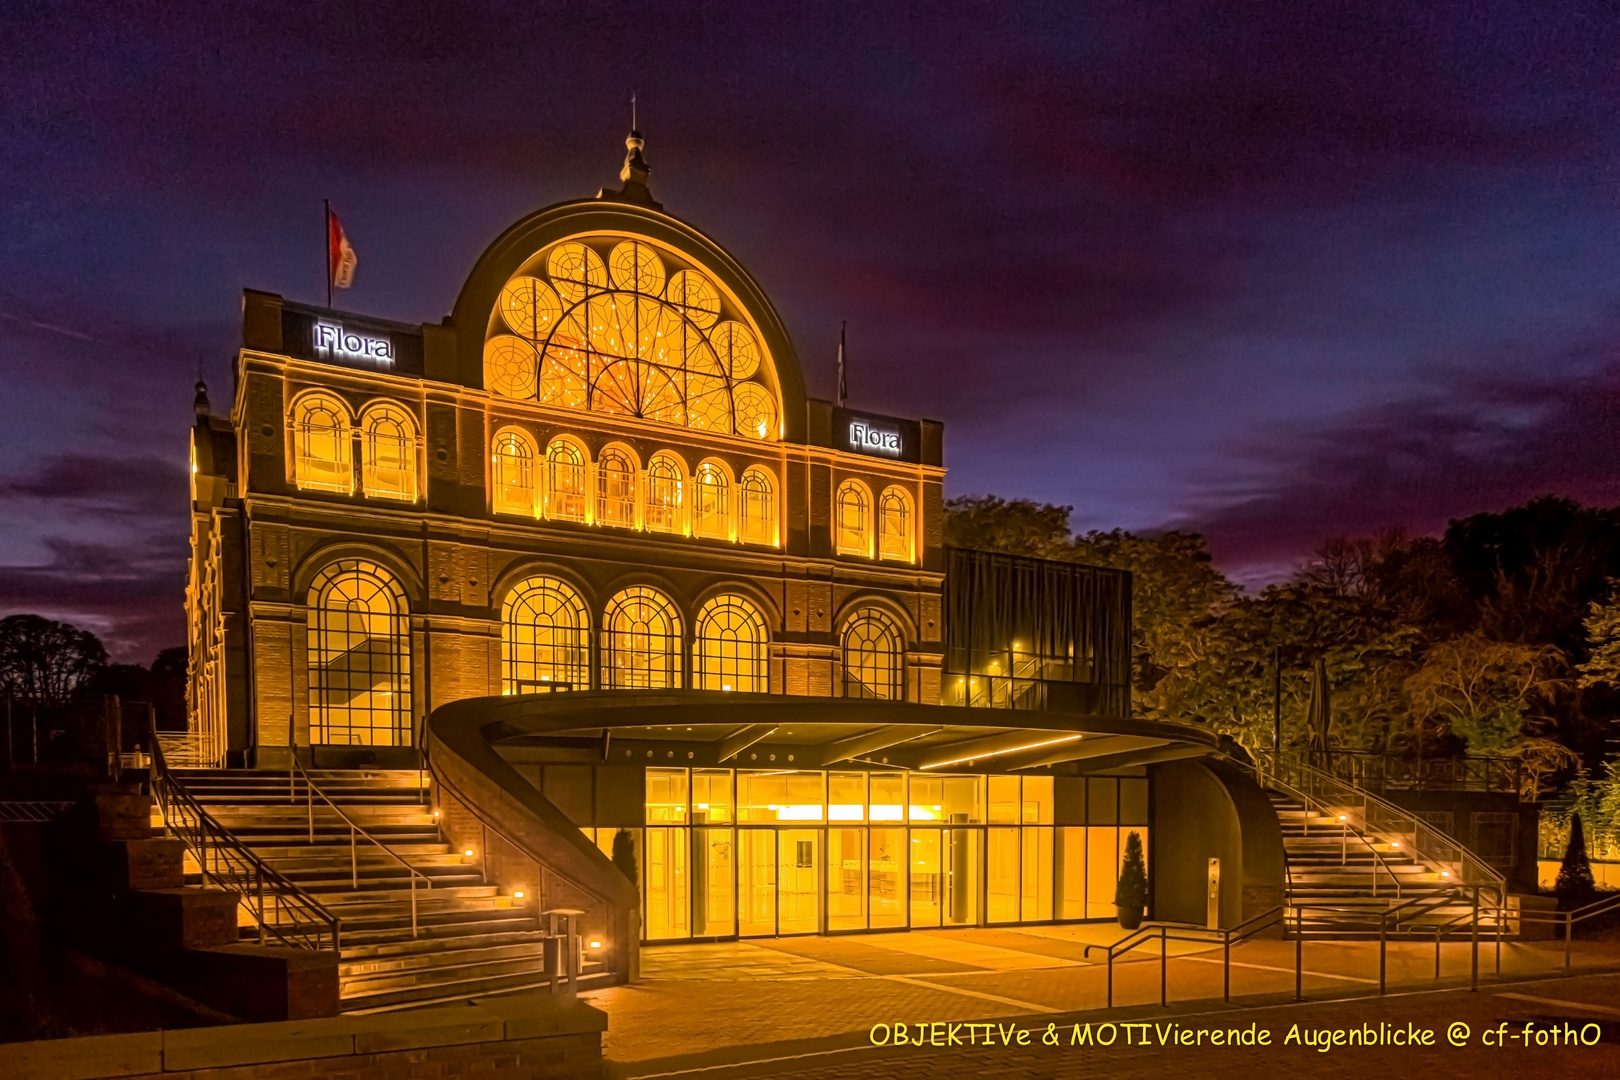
(1269, 271)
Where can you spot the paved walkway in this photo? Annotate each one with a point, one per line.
(701, 1006)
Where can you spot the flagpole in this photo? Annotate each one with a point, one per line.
(326, 248)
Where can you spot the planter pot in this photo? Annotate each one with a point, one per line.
(1129, 917)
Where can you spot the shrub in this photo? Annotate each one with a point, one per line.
(1131, 892)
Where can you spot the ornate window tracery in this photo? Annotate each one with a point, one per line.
(545, 638)
(711, 502)
(565, 481)
(322, 444)
(756, 509)
(665, 481)
(874, 656)
(641, 641)
(359, 657)
(853, 512)
(731, 647)
(615, 488)
(894, 525)
(624, 335)
(514, 472)
(388, 452)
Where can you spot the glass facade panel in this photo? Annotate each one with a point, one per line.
(666, 901)
(756, 882)
(846, 797)
(1102, 801)
(666, 795)
(1133, 802)
(846, 879)
(798, 877)
(1037, 800)
(886, 875)
(1037, 874)
(1102, 866)
(1004, 800)
(711, 796)
(778, 796)
(1072, 873)
(888, 796)
(927, 885)
(927, 799)
(1001, 872)
(963, 799)
(713, 883)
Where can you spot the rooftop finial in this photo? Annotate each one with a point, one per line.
(200, 403)
(635, 171)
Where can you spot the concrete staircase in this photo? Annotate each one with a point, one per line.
(470, 940)
(1331, 864)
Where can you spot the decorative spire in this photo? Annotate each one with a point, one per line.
(199, 404)
(634, 174)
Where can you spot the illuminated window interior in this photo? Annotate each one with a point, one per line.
(322, 444)
(894, 525)
(565, 481)
(545, 638)
(664, 484)
(711, 502)
(874, 656)
(757, 507)
(514, 473)
(853, 510)
(388, 452)
(359, 657)
(641, 641)
(616, 325)
(616, 489)
(731, 646)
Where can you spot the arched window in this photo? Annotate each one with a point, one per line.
(853, 519)
(711, 502)
(616, 489)
(874, 656)
(359, 657)
(388, 452)
(894, 525)
(664, 505)
(514, 473)
(545, 638)
(641, 641)
(565, 481)
(322, 444)
(757, 506)
(731, 649)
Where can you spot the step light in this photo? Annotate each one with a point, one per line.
(596, 944)
(468, 853)
(517, 894)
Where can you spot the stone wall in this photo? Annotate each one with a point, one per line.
(521, 1037)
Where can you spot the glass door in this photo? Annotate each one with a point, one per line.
(846, 884)
(713, 871)
(926, 882)
(756, 882)
(886, 876)
(798, 881)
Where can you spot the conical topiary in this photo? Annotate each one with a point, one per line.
(1575, 886)
(624, 855)
(1130, 895)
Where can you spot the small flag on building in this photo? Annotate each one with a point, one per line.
(340, 258)
(843, 384)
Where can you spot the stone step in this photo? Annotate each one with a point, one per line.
(513, 920)
(441, 993)
(393, 893)
(410, 947)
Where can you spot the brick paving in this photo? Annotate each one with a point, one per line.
(821, 996)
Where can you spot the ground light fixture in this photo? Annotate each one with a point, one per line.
(596, 944)
(468, 853)
(517, 894)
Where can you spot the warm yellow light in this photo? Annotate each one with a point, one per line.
(596, 944)
(435, 813)
(1395, 843)
(1342, 817)
(468, 853)
(1445, 873)
(517, 894)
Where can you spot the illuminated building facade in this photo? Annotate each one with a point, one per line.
(601, 474)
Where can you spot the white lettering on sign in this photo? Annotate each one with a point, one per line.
(870, 440)
(335, 341)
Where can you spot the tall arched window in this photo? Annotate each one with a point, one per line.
(322, 444)
(388, 452)
(514, 472)
(565, 481)
(894, 525)
(545, 638)
(874, 656)
(664, 503)
(756, 498)
(641, 641)
(711, 502)
(616, 489)
(731, 647)
(359, 657)
(853, 519)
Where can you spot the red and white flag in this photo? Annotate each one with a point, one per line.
(340, 259)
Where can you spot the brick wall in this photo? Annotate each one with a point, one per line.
(521, 1037)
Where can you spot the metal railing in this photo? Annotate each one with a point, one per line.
(1380, 772)
(1568, 919)
(356, 834)
(282, 911)
(1168, 932)
(1380, 817)
(1310, 802)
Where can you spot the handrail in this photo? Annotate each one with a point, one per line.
(355, 830)
(1428, 843)
(1186, 932)
(222, 858)
(1568, 919)
(1307, 800)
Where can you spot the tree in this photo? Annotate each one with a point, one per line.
(1130, 894)
(1575, 886)
(44, 661)
(1602, 623)
(1485, 692)
(624, 855)
(1016, 527)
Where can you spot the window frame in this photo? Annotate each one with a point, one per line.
(304, 462)
(857, 541)
(410, 446)
(498, 482)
